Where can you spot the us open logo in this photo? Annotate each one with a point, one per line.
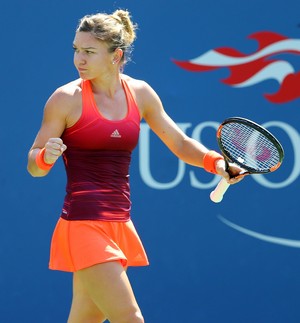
(250, 69)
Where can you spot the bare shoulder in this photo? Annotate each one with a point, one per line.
(64, 101)
(145, 95)
(136, 84)
(66, 93)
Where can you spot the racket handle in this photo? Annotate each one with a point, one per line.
(217, 194)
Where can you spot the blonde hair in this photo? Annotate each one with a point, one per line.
(116, 29)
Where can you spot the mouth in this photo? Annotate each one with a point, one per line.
(81, 70)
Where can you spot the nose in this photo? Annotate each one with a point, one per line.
(79, 59)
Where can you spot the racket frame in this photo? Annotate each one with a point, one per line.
(230, 159)
(217, 194)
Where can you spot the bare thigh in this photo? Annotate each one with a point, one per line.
(108, 287)
(83, 309)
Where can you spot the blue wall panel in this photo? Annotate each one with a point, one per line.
(203, 268)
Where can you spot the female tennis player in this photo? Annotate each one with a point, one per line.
(94, 123)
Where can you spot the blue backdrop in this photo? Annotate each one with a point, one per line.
(236, 261)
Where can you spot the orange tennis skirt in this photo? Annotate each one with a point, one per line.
(80, 244)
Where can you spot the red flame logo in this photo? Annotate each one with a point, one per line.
(249, 69)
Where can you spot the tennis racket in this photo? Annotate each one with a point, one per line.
(250, 146)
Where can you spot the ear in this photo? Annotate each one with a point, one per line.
(117, 56)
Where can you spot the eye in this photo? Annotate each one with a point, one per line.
(75, 49)
(89, 52)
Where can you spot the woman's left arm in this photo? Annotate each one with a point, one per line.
(184, 147)
(187, 149)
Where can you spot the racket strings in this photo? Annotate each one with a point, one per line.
(249, 147)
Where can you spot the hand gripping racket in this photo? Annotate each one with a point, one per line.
(248, 145)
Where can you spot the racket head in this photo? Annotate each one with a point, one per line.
(249, 145)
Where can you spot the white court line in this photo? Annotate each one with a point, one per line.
(260, 236)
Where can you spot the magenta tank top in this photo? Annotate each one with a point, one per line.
(97, 161)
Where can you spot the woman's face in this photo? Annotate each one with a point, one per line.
(91, 56)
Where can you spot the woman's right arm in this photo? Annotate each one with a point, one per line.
(48, 137)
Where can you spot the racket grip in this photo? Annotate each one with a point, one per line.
(217, 194)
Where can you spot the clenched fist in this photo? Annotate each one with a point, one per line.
(53, 150)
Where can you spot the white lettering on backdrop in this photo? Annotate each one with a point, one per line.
(145, 158)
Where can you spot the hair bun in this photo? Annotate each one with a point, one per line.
(124, 17)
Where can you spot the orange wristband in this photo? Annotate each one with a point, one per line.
(39, 159)
(209, 161)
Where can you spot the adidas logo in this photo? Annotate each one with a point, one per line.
(116, 134)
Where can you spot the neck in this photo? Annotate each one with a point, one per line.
(107, 86)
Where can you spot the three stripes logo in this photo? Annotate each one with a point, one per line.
(266, 63)
(115, 134)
